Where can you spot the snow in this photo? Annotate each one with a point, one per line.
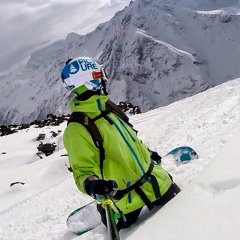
(211, 200)
(207, 208)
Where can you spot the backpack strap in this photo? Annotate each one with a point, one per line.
(118, 111)
(90, 125)
(92, 128)
(137, 187)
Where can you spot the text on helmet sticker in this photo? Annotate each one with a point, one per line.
(79, 65)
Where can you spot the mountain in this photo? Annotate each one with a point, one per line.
(155, 53)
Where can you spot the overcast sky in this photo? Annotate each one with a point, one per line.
(26, 24)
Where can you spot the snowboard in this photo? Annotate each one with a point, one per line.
(86, 218)
(182, 154)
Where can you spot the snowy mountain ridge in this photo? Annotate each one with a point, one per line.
(155, 53)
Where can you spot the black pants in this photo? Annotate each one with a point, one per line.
(133, 216)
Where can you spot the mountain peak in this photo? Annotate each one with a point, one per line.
(154, 52)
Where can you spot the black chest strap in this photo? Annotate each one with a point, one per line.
(136, 186)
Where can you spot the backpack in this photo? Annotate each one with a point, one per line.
(92, 128)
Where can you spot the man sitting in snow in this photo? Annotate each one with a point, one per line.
(120, 165)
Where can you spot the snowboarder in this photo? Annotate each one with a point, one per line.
(121, 165)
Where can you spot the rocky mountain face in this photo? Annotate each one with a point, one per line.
(155, 52)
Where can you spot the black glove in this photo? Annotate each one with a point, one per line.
(156, 157)
(98, 188)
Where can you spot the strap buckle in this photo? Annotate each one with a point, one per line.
(143, 179)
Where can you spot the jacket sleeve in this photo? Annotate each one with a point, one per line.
(82, 153)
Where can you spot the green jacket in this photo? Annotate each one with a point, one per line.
(126, 157)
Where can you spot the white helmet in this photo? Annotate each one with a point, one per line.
(84, 71)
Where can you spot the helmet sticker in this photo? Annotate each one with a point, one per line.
(86, 72)
(79, 65)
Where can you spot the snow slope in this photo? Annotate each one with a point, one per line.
(207, 208)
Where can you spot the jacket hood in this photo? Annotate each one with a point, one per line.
(92, 107)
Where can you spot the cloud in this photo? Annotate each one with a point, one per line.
(27, 24)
